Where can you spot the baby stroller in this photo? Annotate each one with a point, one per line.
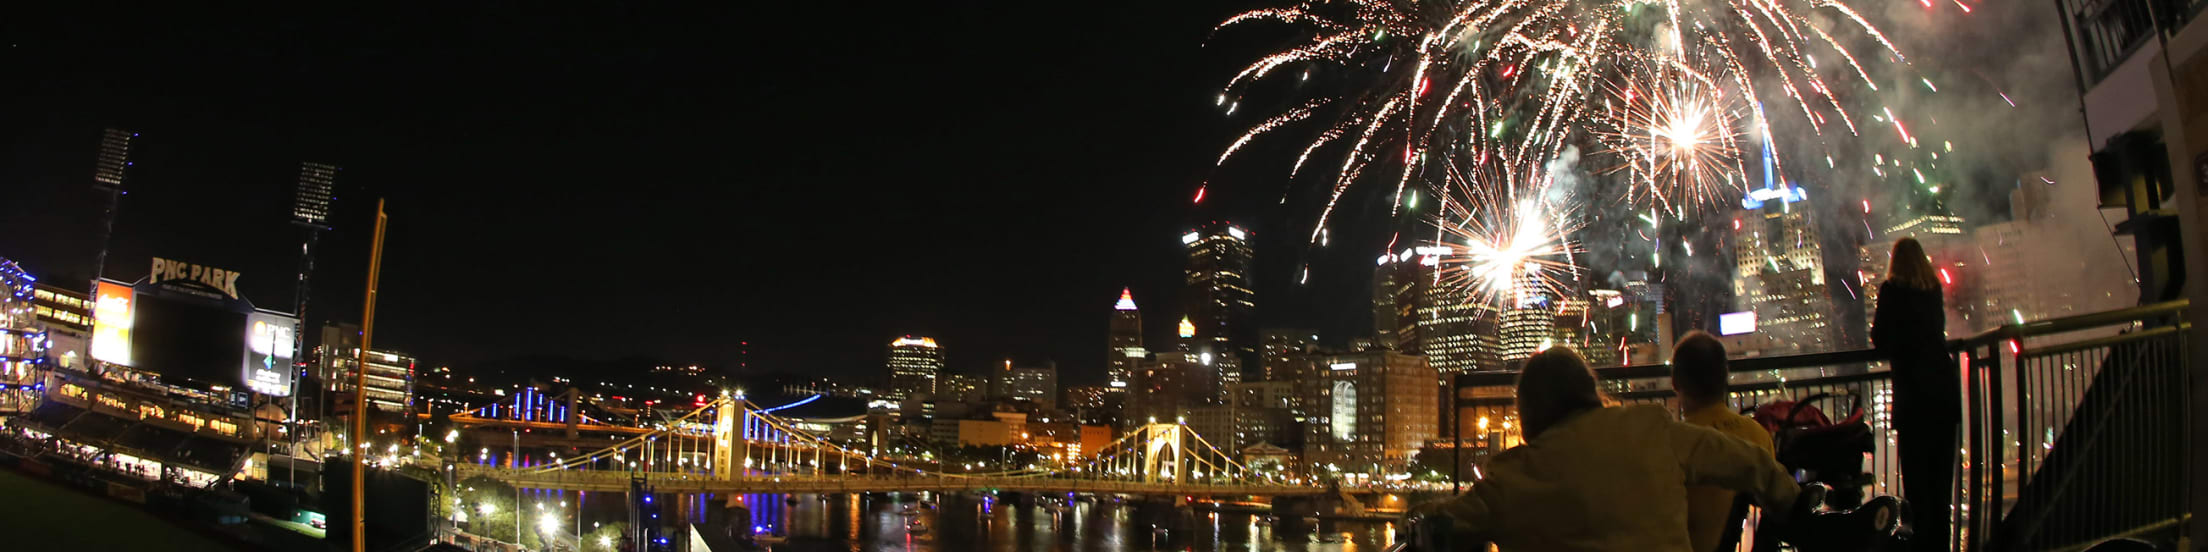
(1827, 455)
(1819, 449)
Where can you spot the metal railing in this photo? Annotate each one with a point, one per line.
(2084, 420)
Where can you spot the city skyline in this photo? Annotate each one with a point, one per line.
(972, 275)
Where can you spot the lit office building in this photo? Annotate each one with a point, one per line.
(1527, 329)
(1779, 273)
(1282, 348)
(66, 317)
(1097, 404)
(1952, 250)
(1124, 348)
(1530, 324)
(1413, 314)
(1572, 317)
(914, 363)
(390, 374)
(1606, 333)
(1217, 299)
(956, 387)
(1035, 383)
(1160, 389)
(1395, 289)
(1369, 412)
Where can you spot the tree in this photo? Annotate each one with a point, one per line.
(491, 509)
(606, 538)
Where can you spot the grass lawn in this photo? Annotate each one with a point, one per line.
(39, 515)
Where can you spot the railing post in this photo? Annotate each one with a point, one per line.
(1998, 451)
(1977, 478)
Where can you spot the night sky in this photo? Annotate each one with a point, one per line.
(812, 178)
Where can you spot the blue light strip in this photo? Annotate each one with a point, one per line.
(800, 402)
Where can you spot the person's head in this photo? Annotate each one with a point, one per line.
(1698, 371)
(1554, 385)
(1911, 266)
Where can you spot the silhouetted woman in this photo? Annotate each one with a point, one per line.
(1910, 327)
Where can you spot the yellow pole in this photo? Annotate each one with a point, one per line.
(360, 387)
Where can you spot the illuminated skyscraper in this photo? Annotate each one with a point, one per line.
(1779, 272)
(1218, 301)
(914, 363)
(1530, 324)
(1125, 342)
(1943, 239)
(310, 210)
(1527, 329)
(1440, 322)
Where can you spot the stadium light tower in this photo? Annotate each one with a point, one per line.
(108, 171)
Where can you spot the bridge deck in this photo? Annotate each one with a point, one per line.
(616, 481)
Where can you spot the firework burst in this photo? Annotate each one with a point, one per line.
(1508, 239)
(1514, 79)
(1675, 131)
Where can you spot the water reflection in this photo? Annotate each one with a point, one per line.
(963, 523)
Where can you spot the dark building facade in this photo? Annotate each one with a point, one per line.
(1217, 299)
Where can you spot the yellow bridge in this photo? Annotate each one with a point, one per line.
(732, 446)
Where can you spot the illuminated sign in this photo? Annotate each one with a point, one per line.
(113, 314)
(1343, 366)
(1237, 233)
(1736, 323)
(1439, 250)
(1788, 194)
(268, 341)
(164, 270)
(1190, 238)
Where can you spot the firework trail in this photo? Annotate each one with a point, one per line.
(1490, 80)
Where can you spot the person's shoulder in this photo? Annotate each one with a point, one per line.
(1744, 427)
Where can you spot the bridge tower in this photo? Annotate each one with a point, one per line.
(725, 465)
(1162, 445)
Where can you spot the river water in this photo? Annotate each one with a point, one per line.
(984, 523)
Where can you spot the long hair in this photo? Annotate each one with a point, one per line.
(1911, 267)
(1554, 384)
